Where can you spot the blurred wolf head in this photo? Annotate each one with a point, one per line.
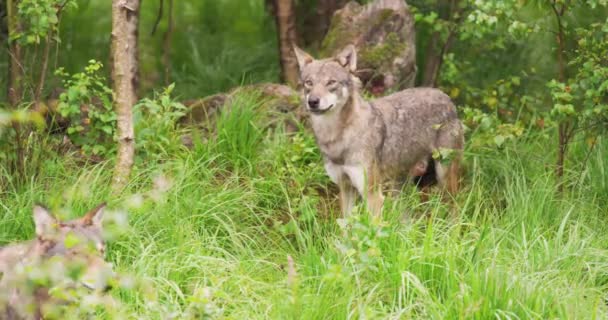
(66, 256)
(79, 240)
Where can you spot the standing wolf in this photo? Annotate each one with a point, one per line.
(365, 144)
(64, 255)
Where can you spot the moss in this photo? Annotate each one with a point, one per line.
(338, 36)
(383, 16)
(383, 54)
(341, 33)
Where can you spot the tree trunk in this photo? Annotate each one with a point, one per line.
(43, 70)
(433, 61)
(325, 12)
(325, 9)
(15, 80)
(3, 27)
(436, 53)
(286, 28)
(125, 14)
(15, 67)
(564, 133)
(437, 49)
(133, 20)
(167, 39)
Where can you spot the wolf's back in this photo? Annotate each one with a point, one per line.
(419, 106)
(417, 122)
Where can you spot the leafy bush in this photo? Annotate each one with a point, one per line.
(156, 133)
(87, 105)
(40, 18)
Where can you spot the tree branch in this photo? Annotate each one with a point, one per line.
(159, 16)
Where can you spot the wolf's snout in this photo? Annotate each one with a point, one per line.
(313, 103)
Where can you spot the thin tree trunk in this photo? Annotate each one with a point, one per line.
(45, 58)
(433, 64)
(271, 7)
(15, 80)
(325, 9)
(564, 125)
(134, 40)
(322, 20)
(3, 27)
(436, 49)
(159, 16)
(15, 67)
(124, 75)
(433, 61)
(167, 39)
(43, 70)
(286, 27)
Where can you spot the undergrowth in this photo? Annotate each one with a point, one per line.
(245, 225)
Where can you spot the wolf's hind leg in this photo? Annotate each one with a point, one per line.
(450, 136)
(452, 181)
(448, 175)
(375, 201)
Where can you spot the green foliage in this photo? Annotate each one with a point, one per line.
(583, 99)
(360, 247)
(488, 129)
(496, 110)
(155, 119)
(39, 18)
(210, 237)
(87, 104)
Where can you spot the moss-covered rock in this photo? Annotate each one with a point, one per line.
(279, 103)
(383, 33)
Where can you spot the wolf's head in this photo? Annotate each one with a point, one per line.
(328, 83)
(78, 241)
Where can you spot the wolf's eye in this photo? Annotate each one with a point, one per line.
(308, 83)
(331, 83)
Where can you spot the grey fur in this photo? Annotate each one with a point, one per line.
(385, 138)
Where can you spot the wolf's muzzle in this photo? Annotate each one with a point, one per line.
(314, 103)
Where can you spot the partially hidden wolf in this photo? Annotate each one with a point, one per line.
(367, 143)
(66, 255)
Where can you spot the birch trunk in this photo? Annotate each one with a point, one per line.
(125, 16)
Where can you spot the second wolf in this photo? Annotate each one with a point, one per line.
(29, 269)
(366, 143)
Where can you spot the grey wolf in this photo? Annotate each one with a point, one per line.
(66, 253)
(367, 143)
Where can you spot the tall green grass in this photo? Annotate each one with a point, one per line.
(224, 217)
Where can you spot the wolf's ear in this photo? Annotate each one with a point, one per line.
(302, 57)
(43, 220)
(95, 216)
(348, 58)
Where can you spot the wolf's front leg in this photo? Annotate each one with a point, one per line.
(375, 201)
(348, 196)
(366, 182)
